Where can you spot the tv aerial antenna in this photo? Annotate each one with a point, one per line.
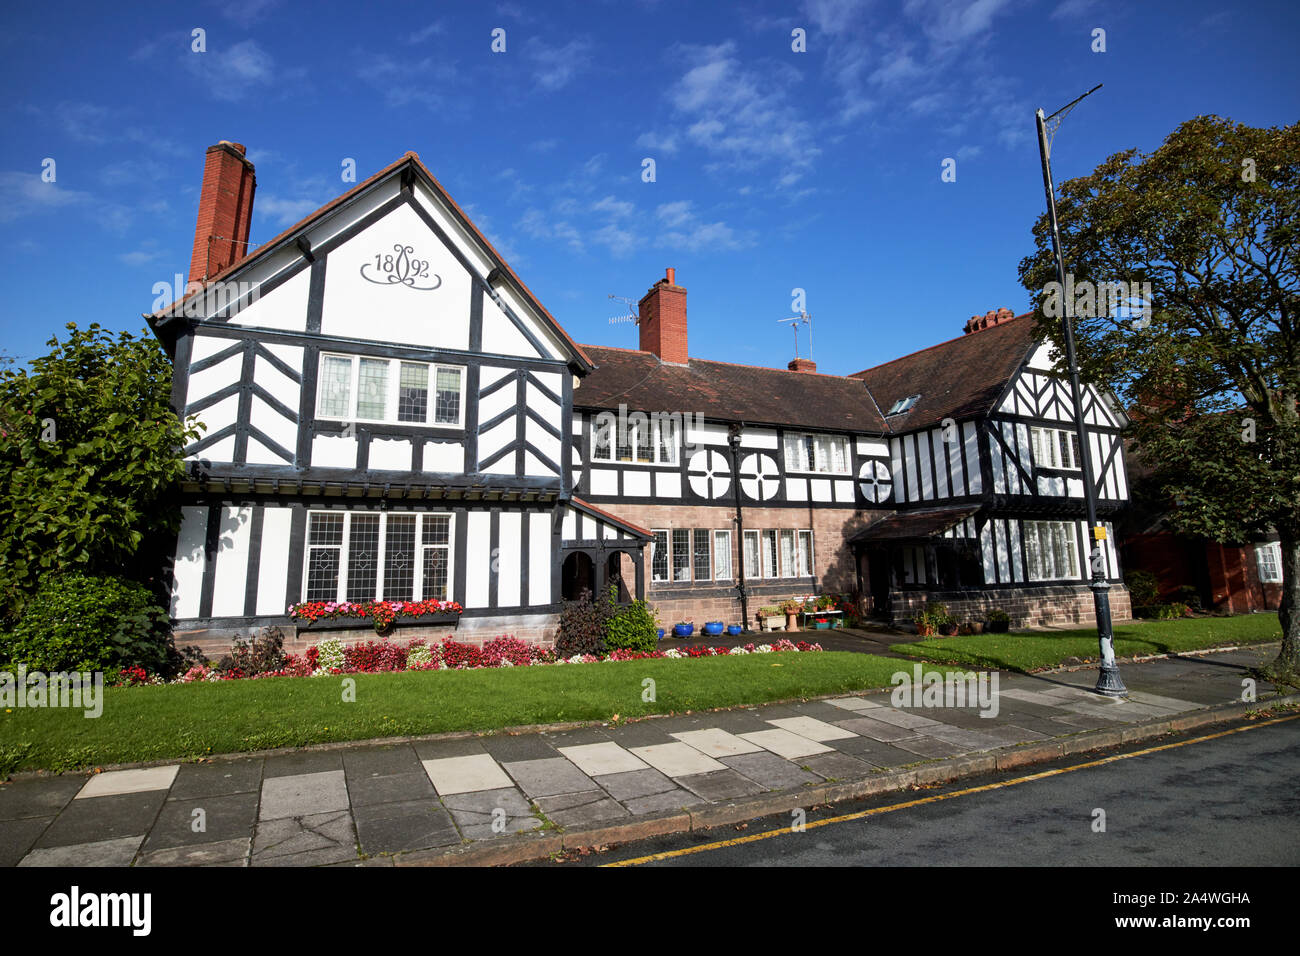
(631, 315)
(803, 318)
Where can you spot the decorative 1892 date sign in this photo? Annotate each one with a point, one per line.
(401, 269)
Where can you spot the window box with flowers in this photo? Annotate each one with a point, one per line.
(383, 616)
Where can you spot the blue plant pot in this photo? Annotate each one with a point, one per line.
(683, 630)
(661, 633)
(734, 630)
(713, 628)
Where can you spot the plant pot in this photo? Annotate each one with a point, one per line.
(925, 630)
(822, 625)
(948, 630)
(661, 633)
(734, 630)
(713, 628)
(772, 622)
(977, 627)
(792, 621)
(683, 630)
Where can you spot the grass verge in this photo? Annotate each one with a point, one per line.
(1034, 651)
(186, 721)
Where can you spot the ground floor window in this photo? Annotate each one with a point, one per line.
(1051, 550)
(1268, 557)
(778, 553)
(683, 555)
(365, 556)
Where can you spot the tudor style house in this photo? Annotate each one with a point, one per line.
(391, 414)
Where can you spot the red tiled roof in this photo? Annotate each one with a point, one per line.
(722, 391)
(609, 516)
(960, 378)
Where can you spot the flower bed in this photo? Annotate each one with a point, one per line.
(331, 656)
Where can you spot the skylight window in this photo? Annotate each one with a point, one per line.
(904, 405)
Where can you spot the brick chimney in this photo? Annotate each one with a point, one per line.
(663, 319)
(225, 209)
(802, 365)
(989, 319)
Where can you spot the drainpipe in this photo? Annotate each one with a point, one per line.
(733, 440)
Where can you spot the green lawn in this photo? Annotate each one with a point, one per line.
(1032, 651)
(192, 720)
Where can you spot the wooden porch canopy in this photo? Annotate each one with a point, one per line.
(912, 525)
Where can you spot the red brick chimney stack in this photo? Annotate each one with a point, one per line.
(802, 365)
(991, 318)
(225, 210)
(663, 319)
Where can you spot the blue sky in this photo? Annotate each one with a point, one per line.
(775, 169)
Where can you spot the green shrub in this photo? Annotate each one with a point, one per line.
(1163, 612)
(79, 622)
(1143, 587)
(632, 627)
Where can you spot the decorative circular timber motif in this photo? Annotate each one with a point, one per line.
(709, 474)
(875, 481)
(759, 476)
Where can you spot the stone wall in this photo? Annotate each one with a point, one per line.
(1048, 605)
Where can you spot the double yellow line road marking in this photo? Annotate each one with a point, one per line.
(862, 814)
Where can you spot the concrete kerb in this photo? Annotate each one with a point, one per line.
(523, 850)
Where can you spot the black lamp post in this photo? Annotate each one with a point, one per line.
(1108, 679)
(733, 440)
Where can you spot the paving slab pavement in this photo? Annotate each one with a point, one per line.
(446, 798)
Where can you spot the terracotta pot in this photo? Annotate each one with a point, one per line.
(792, 621)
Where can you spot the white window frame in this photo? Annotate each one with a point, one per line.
(1046, 444)
(393, 390)
(824, 466)
(1041, 564)
(634, 429)
(381, 560)
(1270, 568)
(720, 550)
(751, 568)
(668, 564)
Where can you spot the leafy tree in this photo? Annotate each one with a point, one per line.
(1211, 368)
(89, 462)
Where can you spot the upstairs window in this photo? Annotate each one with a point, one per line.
(816, 454)
(646, 440)
(1055, 448)
(390, 391)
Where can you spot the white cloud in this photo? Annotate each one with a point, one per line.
(555, 67)
(284, 212)
(419, 36)
(25, 194)
(618, 208)
(742, 113)
(232, 73)
(657, 143)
